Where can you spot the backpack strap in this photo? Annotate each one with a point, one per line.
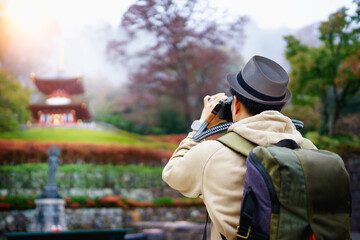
(237, 143)
(307, 144)
(289, 143)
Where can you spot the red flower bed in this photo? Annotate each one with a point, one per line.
(20, 151)
(4, 205)
(136, 203)
(110, 199)
(90, 202)
(30, 202)
(75, 205)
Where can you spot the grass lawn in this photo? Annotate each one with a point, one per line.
(85, 136)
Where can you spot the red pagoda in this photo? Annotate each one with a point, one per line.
(59, 109)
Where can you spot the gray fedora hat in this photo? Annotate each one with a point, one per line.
(261, 80)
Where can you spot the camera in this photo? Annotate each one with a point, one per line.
(225, 110)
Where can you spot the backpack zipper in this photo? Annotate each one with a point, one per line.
(275, 204)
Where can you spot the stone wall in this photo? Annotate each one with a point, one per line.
(170, 219)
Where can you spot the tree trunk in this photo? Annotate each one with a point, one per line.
(334, 117)
(331, 126)
(185, 98)
(324, 114)
(340, 102)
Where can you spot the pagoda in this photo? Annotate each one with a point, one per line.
(59, 108)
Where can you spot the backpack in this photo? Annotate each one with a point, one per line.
(292, 192)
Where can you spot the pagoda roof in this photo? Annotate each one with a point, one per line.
(81, 110)
(49, 84)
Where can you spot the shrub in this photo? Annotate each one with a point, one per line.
(167, 201)
(309, 116)
(16, 202)
(342, 144)
(86, 176)
(20, 151)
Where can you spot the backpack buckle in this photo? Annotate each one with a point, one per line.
(243, 237)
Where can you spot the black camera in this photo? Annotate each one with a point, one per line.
(225, 110)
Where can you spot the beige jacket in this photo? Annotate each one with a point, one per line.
(215, 173)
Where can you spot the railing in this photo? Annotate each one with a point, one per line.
(104, 234)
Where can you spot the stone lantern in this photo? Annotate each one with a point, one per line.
(50, 206)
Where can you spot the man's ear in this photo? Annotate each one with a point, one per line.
(237, 105)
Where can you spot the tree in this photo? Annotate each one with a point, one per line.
(329, 73)
(14, 99)
(185, 57)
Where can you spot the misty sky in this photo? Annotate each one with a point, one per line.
(84, 50)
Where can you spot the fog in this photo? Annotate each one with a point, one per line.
(80, 31)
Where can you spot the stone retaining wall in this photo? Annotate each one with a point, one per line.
(100, 218)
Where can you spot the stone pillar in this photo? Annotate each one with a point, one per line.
(50, 215)
(50, 207)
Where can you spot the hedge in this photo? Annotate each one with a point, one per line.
(25, 202)
(85, 176)
(20, 151)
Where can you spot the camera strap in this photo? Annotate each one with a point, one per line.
(202, 133)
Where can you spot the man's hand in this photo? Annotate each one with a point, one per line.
(209, 104)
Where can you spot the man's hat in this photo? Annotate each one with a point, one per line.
(262, 80)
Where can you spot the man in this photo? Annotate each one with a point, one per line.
(214, 172)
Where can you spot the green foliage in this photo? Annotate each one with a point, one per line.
(167, 121)
(305, 113)
(79, 199)
(17, 202)
(310, 72)
(344, 144)
(330, 73)
(87, 176)
(118, 120)
(163, 201)
(171, 122)
(14, 98)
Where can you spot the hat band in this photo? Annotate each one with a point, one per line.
(255, 93)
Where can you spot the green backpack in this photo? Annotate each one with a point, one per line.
(292, 192)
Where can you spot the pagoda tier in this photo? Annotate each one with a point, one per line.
(47, 85)
(58, 108)
(60, 114)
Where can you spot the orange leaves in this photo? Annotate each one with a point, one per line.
(110, 199)
(30, 202)
(90, 203)
(187, 202)
(75, 205)
(67, 200)
(349, 70)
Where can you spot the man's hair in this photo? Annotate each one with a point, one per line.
(253, 107)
